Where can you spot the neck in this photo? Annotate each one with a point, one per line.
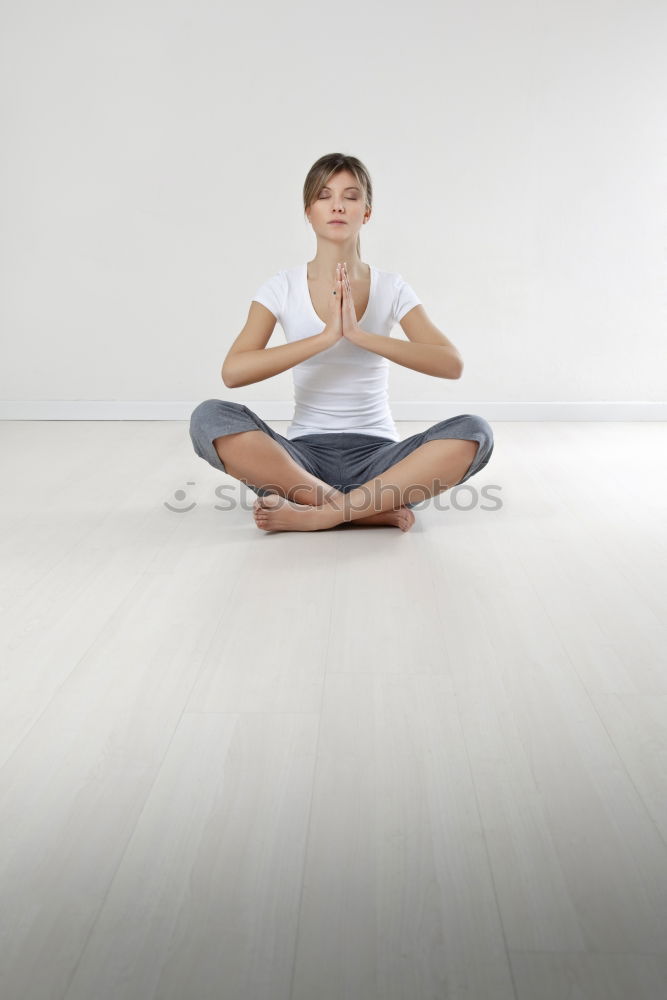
(323, 265)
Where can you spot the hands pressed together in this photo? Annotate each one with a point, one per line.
(342, 315)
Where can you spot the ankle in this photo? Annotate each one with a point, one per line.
(333, 498)
(316, 497)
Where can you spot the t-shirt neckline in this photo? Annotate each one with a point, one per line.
(310, 301)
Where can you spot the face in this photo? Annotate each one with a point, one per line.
(341, 198)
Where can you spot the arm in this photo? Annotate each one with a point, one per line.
(428, 351)
(248, 360)
(246, 367)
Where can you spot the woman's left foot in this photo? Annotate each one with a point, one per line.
(276, 513)
(402, 518)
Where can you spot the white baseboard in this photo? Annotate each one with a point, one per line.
(113, 409)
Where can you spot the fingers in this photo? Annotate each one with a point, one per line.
(346, 280)
(343, 284)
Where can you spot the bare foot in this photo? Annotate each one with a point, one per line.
(402, 518)
(276, 513)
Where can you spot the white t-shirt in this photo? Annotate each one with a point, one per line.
(345, 388)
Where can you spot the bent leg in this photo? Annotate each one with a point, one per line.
(402, 474)
(433, 467)
(257, 460)
(233, 439)
(464, 427)
(445, 455)
(251, 456)
(429, 470)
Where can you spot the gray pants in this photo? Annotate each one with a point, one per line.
(344, 461)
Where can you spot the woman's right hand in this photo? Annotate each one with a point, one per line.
(333, 331)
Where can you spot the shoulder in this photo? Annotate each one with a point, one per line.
(273, 293)
(400, 295)
(276, 278)
(389, 279)
(280, 281)
(292, 273)
(391, 282)
(287, 279)
(381, 274)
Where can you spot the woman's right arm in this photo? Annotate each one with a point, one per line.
(249, 361)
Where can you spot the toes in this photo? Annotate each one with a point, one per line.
(271, 500)
(267, 501)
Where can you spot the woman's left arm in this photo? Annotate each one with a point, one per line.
(428, 350)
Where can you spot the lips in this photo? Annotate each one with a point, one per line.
(337, 222)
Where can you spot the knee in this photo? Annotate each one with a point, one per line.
(473, 430)
(206, 414)
(478, 428)
(466, 426)
(481, 429)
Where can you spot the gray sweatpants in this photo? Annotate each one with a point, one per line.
(344, 461)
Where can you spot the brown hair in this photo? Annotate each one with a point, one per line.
(325, 168)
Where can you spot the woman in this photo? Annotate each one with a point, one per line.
(341, 460)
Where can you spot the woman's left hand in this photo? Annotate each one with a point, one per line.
(351, 327)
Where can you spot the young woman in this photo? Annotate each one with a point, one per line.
(342, 460)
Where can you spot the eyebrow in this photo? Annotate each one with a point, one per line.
(350, 187)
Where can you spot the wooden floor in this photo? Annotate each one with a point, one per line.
(356, 763)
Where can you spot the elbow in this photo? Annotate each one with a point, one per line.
(226, 379)
(455, 370)
(453, 367)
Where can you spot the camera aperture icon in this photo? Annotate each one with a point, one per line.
(180, 495)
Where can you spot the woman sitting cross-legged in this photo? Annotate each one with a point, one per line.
(341, 460)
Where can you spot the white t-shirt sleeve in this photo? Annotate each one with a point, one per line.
(405, 298)
(273, 293)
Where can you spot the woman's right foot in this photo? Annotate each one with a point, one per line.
(402, 518)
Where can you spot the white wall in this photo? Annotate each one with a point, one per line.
(154, 156)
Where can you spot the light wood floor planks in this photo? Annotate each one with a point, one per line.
(345, 765)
